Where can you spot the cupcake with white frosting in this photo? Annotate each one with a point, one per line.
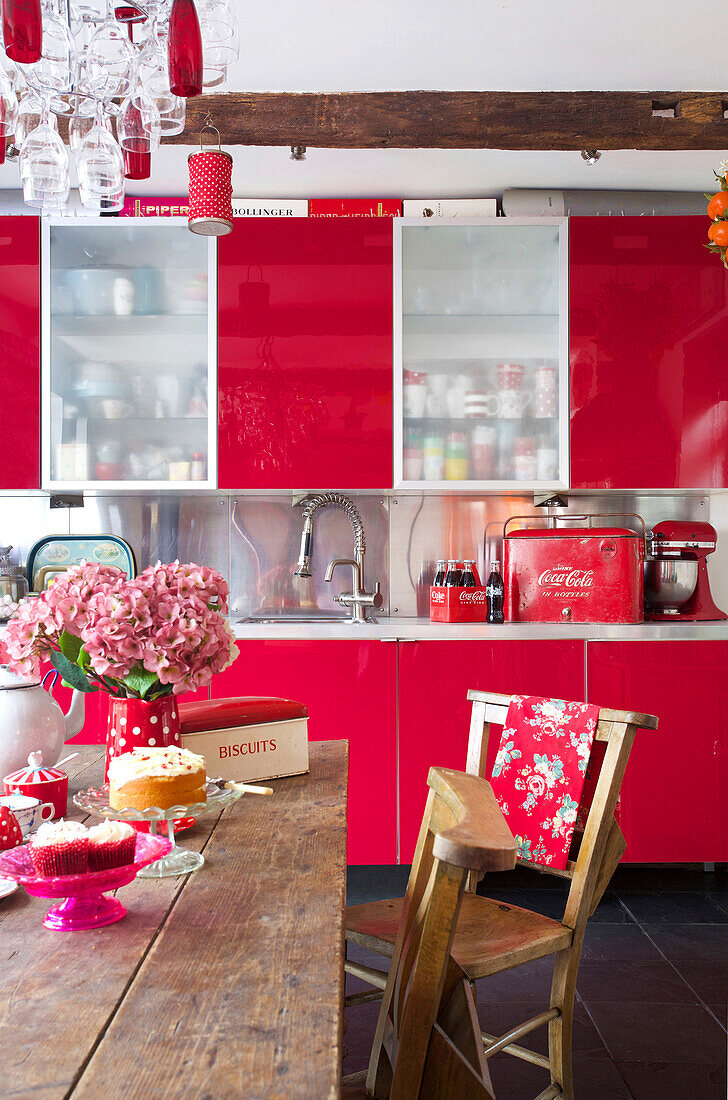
(60, 848)
(110, 844)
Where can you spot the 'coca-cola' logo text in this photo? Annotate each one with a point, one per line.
(437, 597)
(472, 595)
(574, 578)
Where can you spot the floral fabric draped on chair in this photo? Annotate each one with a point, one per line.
(539, 772)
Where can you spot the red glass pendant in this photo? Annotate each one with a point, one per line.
(137, 166)
(184, 50)
(2, 149)
(23, 30)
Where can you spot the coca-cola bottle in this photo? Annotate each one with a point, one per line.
(470, 578)
(453, 576)
(439, 578)
(494, 593)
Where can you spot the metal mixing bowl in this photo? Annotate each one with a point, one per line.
(669, 582)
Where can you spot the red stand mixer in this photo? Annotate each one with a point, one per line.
(676, 572)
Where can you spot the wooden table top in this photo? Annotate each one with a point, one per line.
(224, 983)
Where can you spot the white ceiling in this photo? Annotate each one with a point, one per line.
(287, 45)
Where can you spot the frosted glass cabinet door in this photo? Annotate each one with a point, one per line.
(481, 353)
(128, 347)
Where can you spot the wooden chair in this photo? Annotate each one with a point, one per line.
(491, 936)
(427, 1043)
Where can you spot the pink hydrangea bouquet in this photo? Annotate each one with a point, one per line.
(162, 633)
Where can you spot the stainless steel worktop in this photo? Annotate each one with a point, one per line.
(409, 629)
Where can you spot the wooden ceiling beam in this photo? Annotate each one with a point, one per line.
(465, 120)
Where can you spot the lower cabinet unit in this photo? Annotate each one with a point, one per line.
(434, 713)
(350, 690)
(674, 798)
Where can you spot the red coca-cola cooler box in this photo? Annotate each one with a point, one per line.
(573, 574)
(458, 605)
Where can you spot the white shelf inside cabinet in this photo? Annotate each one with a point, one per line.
(478, 336)
(163, 337)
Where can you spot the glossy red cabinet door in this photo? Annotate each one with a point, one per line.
(350, 690)
(675, 791)
(649, 328)
(434, 713)
(305, 354)
(20, 359)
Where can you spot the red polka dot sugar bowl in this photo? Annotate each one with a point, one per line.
(135, 722)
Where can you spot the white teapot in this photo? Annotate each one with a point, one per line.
(31, 719)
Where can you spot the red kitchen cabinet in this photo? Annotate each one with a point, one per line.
(434, 713)
(648, 331)
(20, 359)
(305, 354)
(674, 795)
(350, 690)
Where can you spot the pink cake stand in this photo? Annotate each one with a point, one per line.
(85, 905)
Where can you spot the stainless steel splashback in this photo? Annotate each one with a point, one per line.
(425, 528)
(265, 533)
(254, 540)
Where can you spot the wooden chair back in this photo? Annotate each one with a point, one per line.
(427, 1042)
(602, 844)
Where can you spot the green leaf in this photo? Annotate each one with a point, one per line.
(83, 660)
(70, 645)
(72, 674)
(140, 679)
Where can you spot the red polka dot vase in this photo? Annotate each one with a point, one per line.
(134, 723)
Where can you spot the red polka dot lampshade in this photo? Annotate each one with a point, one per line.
(211, 192)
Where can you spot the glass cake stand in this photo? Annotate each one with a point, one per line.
(178, 861)
(85, 905)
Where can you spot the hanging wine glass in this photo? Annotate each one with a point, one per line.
(44, 165)
(184, 50)
(110, 59)
(100, 168)
(81, 121)
(28, 116)
(8, 107)
(153, 76)
(55, 70)
(138, 124)
(23, 30)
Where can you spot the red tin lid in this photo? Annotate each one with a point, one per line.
(573, 533)
(243, 710)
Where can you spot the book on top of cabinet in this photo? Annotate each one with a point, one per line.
(178, 206)
(355, 208)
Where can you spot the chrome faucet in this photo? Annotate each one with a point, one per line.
(358, 599)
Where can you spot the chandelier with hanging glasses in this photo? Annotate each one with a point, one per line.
(119, 72)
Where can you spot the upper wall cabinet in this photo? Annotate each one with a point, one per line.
(305, 354)
(129, 354)
(481, 354)
(20, 359)
(649, 331)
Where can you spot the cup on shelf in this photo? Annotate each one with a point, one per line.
(483, 453)
(456, 457)
(412, 454)
(546, 392)
(510, 376)
(123, 296)
(479, 405)
(414, 393)
(457, 390)
(547, 463)
(436, 403)
(524, 458)
(513, 403)
(433, 457)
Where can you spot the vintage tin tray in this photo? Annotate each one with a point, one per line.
(53, 554)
